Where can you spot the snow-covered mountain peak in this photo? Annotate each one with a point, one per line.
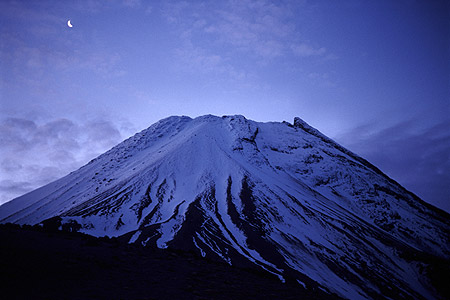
(279, 196)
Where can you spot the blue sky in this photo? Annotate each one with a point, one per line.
(373, 75)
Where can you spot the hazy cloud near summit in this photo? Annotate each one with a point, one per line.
(33, 154)
(418, 158)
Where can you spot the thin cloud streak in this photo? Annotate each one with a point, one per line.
(418, 158)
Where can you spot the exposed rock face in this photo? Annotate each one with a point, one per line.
(279, 196)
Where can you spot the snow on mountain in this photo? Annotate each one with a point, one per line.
(280, 196)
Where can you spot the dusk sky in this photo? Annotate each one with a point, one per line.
(373, 75)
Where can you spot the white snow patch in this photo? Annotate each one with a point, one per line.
(302, 284)
(203, 253)
(135, 237)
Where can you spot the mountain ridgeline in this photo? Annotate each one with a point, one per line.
(276, 196)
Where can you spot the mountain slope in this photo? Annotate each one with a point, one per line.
(280, 196)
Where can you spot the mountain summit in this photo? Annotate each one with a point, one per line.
(279, 196)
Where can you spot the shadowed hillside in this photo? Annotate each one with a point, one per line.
(57, 265)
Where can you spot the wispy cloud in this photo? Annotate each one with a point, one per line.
(132, 3)
(322, 79)
(418, 157)
(254, 27)
(89, 6)
(257, 30)
(306, 50)
(21, 11)
(36, 58)
(233, 31)
(33, 154)
(196, 59)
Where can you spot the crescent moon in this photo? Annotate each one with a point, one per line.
(68, 24)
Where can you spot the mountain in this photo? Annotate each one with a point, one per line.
(279, 196)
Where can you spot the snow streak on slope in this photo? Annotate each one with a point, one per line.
(276, 195)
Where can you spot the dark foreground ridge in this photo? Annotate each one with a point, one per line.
(38, 264)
